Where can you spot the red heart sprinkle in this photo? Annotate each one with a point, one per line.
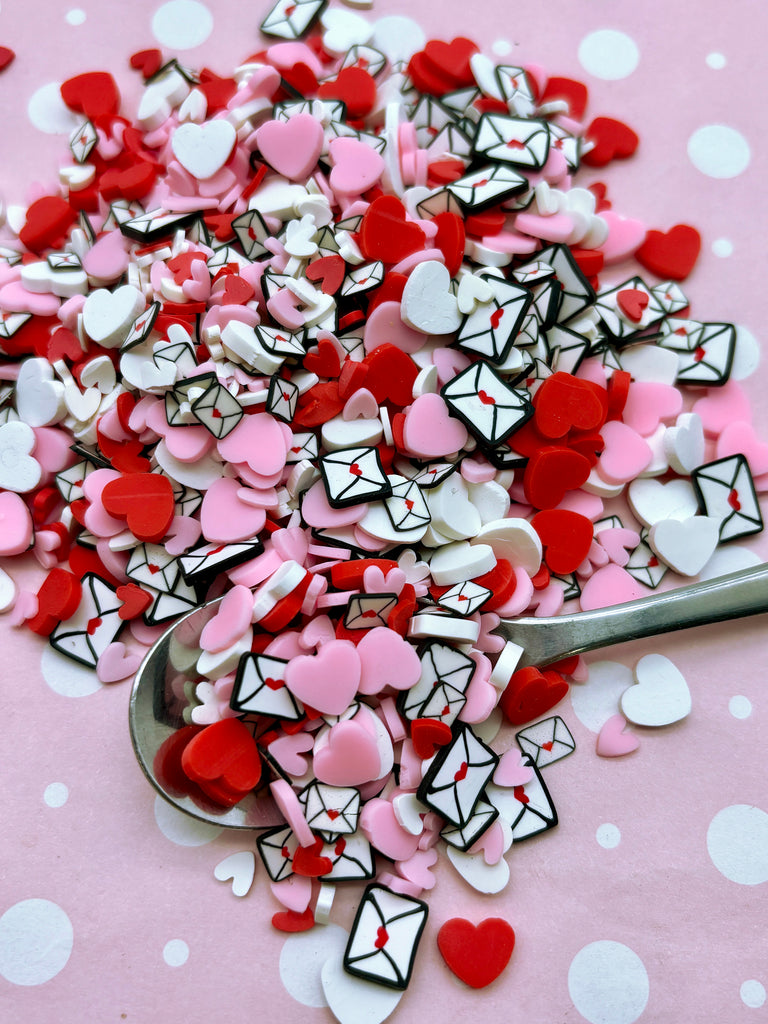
(485, 398)
(733, 501)
(632, 302)
(670, 254)
(461, 772)
(382, 937)
(477, 954)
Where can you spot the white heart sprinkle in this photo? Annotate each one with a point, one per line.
(660, 696)
(203, 149)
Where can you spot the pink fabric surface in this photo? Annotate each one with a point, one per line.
(128, 890)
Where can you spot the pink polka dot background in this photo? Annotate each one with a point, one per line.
(648, 901)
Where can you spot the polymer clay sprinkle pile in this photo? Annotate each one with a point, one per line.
(339, 339)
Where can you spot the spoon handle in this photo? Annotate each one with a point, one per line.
(733, 596)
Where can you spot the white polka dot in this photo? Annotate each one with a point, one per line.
(180, 828)
(56, 794)
(35, 942)
(716, 61)
(597, 699)
(501, 47)
(608, 54)
(66, 677)
(752, 994)
(737, 842)
(608, 983)
(722, 247)
(48, 112)
(608, 836)
(740, 707)
(302, 958)
(182, 24)
(719, 151)
(398, 37)
(75, 17)
(176, 952)
(746, 358)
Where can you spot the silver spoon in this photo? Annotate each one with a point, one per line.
(157, 703)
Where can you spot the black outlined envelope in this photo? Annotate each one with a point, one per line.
(516, 90)
(705, 351)
(429, 117)
(70, 481)
(141, 328)
(12, 322)
(521, 141)
(260, 689)
(488, 405)
(95, 625)
(486, 186)
(441, 665)
(82, 140)
(251, 232)
(186, 499)
(569, 145)
(304, 446)
(407, 507)
(546, 301)
(530, 810)
(670, 297)
(276, 848)
(457, 777)
(351, 223)
(290, 19)
(481, 820)
(282, 342)
(341, 130)
(351, 857)
(491, 328)
(333, 110)
(726, 491)
(534, 272)
(206, 562)
(366, 611)
(218, 410)
(450, 140)
(546, 742)
(433, 474)
(461, 102)
(569, 583)
(643, 564)
(156, 224)
(282, 398)
(385, 936)
(352, 476)
(362, 278)
(620, 327)
(529, 335)
(120, 211)
(465, 598)
(64, 261)
(577, 293)
(326, 241)
(567, 349)
(366, 57)
(445, 704)
(178, 353)
(333, 810)
(160, 574)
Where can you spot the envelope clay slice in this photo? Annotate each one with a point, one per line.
(454, 782)
(385, 937)
(726, 491)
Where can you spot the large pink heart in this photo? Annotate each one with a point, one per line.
(349, 757)
(356, 166)
(260, 441)
(328, 680)
(385, 326)
(429, 431)
(721, 406)
(739, 438)
(648, 403)
(224, 518)
(608, 586)
(624, 236)
(626, 453)
(386, 660)
(291, 147)
(382, 829)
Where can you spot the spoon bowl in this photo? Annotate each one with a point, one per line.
(158, 699)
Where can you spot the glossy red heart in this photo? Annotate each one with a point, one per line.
(6, 57)
(293, 921)
(308, 862)
(450, 239)
(427, 734)
(477, 954)
(145, 501)
(391, 375)
(566, 537)
(564, 401)
(574, 93)
(632, 303)
(148, 62)
(224, 761)
(325, 361)
(46, 224)
(550, 473)
(217, 91)
(57, 600)
(94, 94)
(531, 693)
(135, 601)
(671, 254)
(611, 140)
(355, 88)
(328, 271)
(125, 456)
(386, 235)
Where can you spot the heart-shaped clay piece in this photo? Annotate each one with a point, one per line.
(685, 545)
(511, 770)
(660, 696)
(108, 315)
(427, 734)
(739, 438)
(530, 693)
(224, 761)
(473, 868)
(291, 147)
(328, 272)
(232, 619)
(551, 472)
(625, 234)
(684, 444)
(385, 326)
(345, 995)
(563, 401)
(94, 94)
(566, 537)
(429, 431)
(609, 586)
(648, 403)
(287, 751)
(613, 741)
(203, 149)
(610, 140)
(7, 56)
(349, 755)
(239, 868)
(386, 234)
(39, 397)
(47, 221)
(225, 518)
(477, 954)
(428, 304)
(379, 824)
(625, 455)
(417, 869)
(386, 659)
(328, 680)
(292, 922)
(115, 663)
(15, 524)
(294, 892)
(258, 440)
(671, 255)
(653, 501)
(19, 472)
(632, 302)
(144, 500)
(356, 166)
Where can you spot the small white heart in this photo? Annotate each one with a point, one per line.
(472, 290)
(240, 867)
(684, 443)
(660, 696)
(18, 470)
(685, 545)
(108, 316)
(428, 305)
(203, 149)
